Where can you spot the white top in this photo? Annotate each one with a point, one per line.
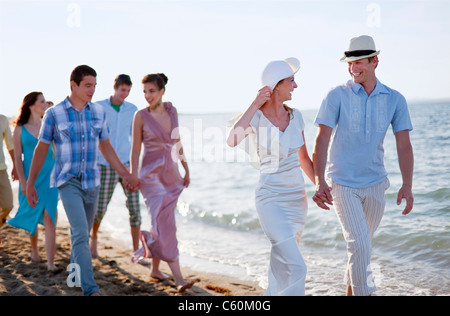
(120, 127)
(267, 146)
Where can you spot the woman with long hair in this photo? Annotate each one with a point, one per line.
(25, 139)
(160, 182)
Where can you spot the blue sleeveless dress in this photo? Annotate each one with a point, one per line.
(27, 217)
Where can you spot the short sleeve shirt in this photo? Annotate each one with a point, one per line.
(360, 123)
(269, 146)
(76, 135)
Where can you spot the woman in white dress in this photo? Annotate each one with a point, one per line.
(274, 133)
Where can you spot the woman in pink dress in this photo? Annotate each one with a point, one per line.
(159, 179)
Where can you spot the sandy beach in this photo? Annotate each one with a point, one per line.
(115, 274)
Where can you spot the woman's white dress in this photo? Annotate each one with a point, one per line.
(281, 200)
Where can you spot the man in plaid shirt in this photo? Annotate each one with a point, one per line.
(77, 127)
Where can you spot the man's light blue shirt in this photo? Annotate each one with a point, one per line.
(120, 127)
(360, 123)
(76, 135)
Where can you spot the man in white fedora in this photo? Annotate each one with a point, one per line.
(359, 114)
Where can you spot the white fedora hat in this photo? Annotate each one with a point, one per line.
(360, 47)
(278, 70)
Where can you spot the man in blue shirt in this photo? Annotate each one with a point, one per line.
(77, 127)
(119, 114)
(359, 114)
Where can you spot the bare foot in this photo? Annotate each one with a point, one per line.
(35, 258)
(160, 276)
(349, 291)
(52, 268)
(181, 288)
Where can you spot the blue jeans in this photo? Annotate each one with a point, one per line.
(80, 206)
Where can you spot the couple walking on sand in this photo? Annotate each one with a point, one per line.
(357, 115)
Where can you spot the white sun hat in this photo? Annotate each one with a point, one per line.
(360, 47)
(278, 70)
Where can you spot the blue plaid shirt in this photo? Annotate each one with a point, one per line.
(76, 135)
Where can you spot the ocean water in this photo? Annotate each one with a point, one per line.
(219, 230)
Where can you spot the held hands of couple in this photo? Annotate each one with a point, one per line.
(322, 197)
(131, 182)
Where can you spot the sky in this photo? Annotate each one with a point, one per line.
(214, 51)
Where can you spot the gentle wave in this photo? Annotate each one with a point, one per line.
(243, 221)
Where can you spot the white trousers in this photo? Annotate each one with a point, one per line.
(360, 212)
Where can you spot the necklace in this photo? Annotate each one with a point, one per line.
(157, 106)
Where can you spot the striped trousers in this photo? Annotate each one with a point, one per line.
(359, 212)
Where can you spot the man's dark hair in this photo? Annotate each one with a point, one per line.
(122, 79)
(80, 72)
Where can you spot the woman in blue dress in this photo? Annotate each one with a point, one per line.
(25, 136)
